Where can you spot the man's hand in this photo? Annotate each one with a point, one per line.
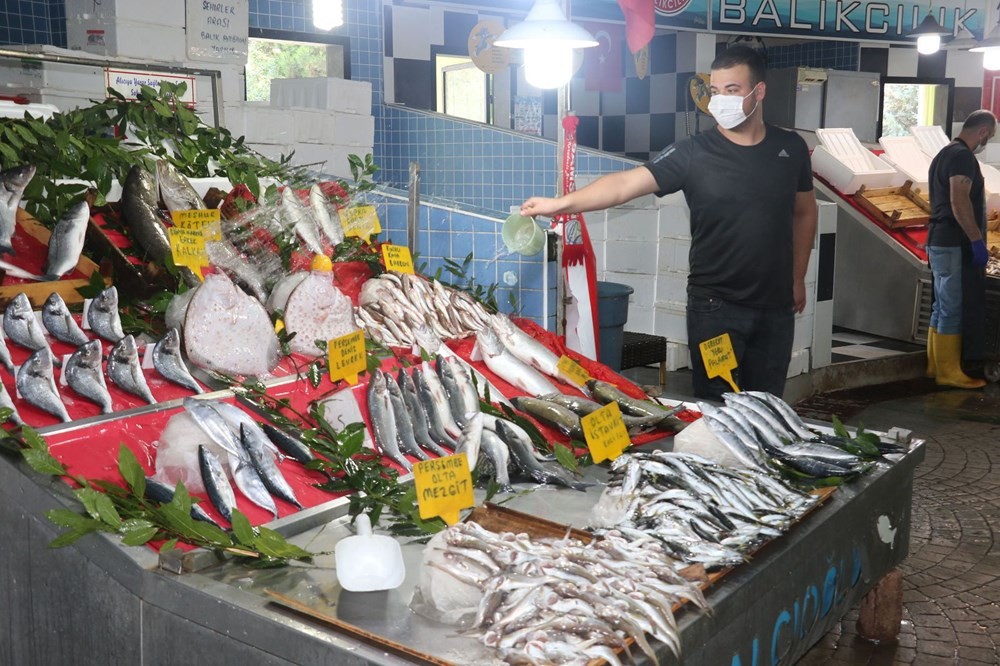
(980, 255)
(540, 206)
(799, 295)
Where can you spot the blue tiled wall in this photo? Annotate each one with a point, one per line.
(822, 54)
(33, 22)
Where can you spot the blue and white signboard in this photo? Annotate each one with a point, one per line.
(682, 14)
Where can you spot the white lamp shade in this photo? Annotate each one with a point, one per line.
(545, 23)
(328, 14)
(991, 58)
(548, 66)
(928, 44)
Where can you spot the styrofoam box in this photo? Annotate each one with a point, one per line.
(847, 165)
(346, 129)
(129, 39)
(267, 125)
(64, 100)
(930, 137)
(328, 93)
(9, 109)
(905, 153)
(166, 14)
(34, 74)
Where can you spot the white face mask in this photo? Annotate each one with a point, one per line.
(728, 109)
(979, 148)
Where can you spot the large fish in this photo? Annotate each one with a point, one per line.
(525, 347)
(427, 340)
(256, 445)
(326, 216)
(417, 414)
(317, 311)
(440, 423)
(297, 217)
(213, 475)
(37, 385)
(249, 482)
(212, 423)
(563, 419)
(404, 425)
(12, 184)
(125, 369)
(84, 375)
(457, 382)
(59, 322)
(21, 326)
(509, 368)
(608, 393)
(471, 440)
(524, 456)
(103, 317)
(496, 451)
(168, 361)
(383, 422)
(66, 241)
(176, 190)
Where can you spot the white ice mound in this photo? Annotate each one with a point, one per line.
(227, 331)
(317, 310)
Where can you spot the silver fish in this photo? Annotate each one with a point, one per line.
(524, 458)
(763, 410)
(417, 414)
(20, 325)
(498, 454)
(471, 440)
(607, 393)
(508, 367)
(564, 420)
(37, 385)
(66, 241)
(462, 397)
(249, 481)
(176, 190)
(59, 322)
(168, 361)
(103, 317)
(298, 218)
(326, 215)
(84, 375)
(5, 358)
(212, 423)
(383, 421)
(12, 184)
(256, 444)
(125, 369)
(5, 401)
(442, 423)
(224, 256)
(404, 424)
(213, 475)
(787, 414)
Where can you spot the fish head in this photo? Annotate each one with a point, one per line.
(80, 211)
(426, 338)
(107, 300)
(55, 305)
(40, 363)
(489, 342)
(378, 381)
(19, 307)
(392, 386)
(405, 381)
(125, 350)
(91, 353)
(17, 178)
(171, 339)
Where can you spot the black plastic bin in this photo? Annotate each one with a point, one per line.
(612, 313)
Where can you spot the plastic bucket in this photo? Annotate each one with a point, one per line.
(612, 313)
(522, 235)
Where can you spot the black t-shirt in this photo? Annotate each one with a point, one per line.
(742, 200)
(955, 159)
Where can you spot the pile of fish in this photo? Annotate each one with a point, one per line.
(83, 372)
(223, 442)
(700, 512)
(763, 432)
(435, 406)
(558, 601)
(391, 306)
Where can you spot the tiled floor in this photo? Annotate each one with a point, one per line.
(853, 346)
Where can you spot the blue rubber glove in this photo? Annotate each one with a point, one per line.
(979, 253)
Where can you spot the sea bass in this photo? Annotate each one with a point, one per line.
(404, 424)
(417, 414)
(21, 326)
(12, 184)
(297, 217)
(168, 361)
(37, 385)
(66, 241)
(125, 369)
(326, 215)
(59, 322)
(84, 375)
(103, 317)
(176, 190)
(383, 421)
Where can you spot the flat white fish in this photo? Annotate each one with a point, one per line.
(317, 310)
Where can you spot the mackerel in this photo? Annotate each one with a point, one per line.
(763, 410)
(83, 374)
(164, 494)
(60, 324)
(249, 482)
(293, 447)
(212, 423)
(256, 444)
(217, 486)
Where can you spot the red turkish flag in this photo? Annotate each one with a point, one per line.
(602, 64)
(640, 22)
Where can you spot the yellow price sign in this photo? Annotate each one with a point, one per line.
(360, 221)
(719, 358)
(188, 248)
(207, 220)
(397, 258)
(346, 357)
(444, 487)
(605, 432)
(572, 371)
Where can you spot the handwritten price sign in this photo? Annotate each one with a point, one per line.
(605, 432)
(346, 357)
(397, 258)
(444, 487)
(719, 358)
(360, 221)
(572, 371)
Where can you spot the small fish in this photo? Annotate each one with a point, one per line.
(164, 494)
(20, 325)
(12, 184)
(84, 375)
(103, 317)
(256, 444)
(5, 358)
(5, 401)
(66, 241)
(293, 447)
(168, 361)
(125, 370)
(213, 475)
(37, 385)
(59, 322)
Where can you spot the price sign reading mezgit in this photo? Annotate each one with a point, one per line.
(346, 357)
(444, 487)
(605, 432)
(397, 258)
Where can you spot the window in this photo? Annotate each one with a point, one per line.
(275, 54)
(463, 90)
(912, 101)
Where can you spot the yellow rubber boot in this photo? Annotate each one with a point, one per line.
(931, 365)
(948, 363)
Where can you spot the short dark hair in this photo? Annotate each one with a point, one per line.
(742, 55)
(979, 119)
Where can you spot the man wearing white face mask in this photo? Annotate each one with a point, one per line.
(753, 221)
(956, 252)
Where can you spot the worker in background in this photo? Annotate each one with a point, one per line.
(956, 252)
(753, 221)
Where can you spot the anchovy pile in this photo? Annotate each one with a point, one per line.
(391, 305)
(700, 512)
(764, 432)
(567, 602)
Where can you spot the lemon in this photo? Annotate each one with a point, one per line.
(321, 262)
(279, 326)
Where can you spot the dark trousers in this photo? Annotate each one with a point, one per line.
(762, 341)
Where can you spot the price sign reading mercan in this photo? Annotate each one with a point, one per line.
(719, 358)
(605, 432)
(397, 258)
(444, 487)
(346, 357)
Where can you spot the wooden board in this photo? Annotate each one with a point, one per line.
(895, 206)
(38, 292)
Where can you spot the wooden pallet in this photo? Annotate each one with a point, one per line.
(896, 207)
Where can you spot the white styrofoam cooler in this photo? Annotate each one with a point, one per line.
(128, 39)
(906, 154)
(931, 138)
(322, 92)
(847, 165)
(30, 74)
(166, 14)
(10, 109)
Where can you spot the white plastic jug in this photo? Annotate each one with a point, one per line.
(368, 562)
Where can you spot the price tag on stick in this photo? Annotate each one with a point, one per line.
(605, 432)
(572, 371)
(397, 258)
(346, 357)
(444, 487)
(719, 358)
(360, 221)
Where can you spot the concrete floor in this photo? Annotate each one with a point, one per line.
(951, 583)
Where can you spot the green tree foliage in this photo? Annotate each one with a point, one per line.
(281, 60)
(900, 109)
